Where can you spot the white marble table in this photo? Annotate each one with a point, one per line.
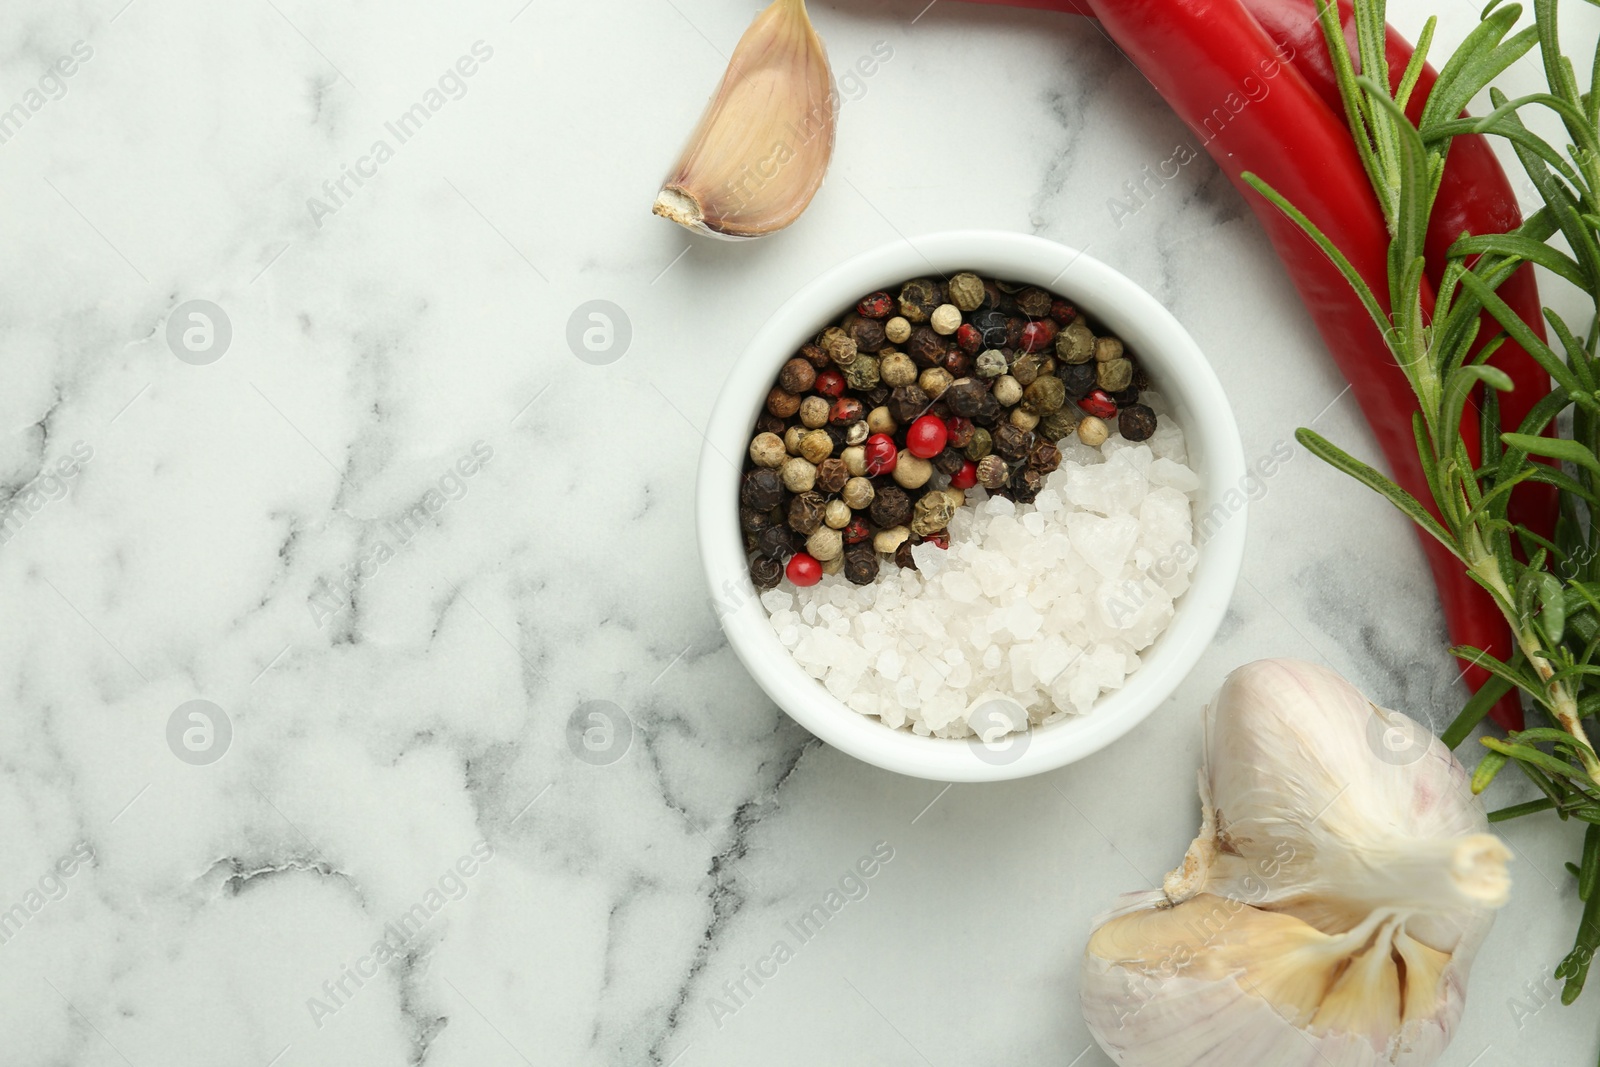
(400, 535)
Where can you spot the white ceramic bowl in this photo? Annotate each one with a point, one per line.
(1180, 373)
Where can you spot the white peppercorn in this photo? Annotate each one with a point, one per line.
(1007, 390)
(814, 412)
(767, 450)
(896, 369)
(825, 544)
(858, 493)
(934, 380)
(911, 471)
(1023, 419)
(837, 514)
(799, 475)
(1093, 432)
(792, 438)
(856, 432)
(897, 330)
(945, 320)
(855, 460)
(886, 541)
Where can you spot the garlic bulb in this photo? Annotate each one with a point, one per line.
(763, 145)
(1329, 909)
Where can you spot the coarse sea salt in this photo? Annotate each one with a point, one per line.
(1049, 603)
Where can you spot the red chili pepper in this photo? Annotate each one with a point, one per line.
(1199, 55)
(1474, 197)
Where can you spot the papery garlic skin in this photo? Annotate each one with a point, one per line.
(1329, 909)
(763, 145)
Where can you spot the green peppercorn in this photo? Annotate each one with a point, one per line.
(863, 372)
(933, 512)
(1058, 424)
(1075, 344)
(966, 291)
(1107, 349)
(1034, 302)
(1115, 375)
(990, 364)
(918, 298)
(816, 446)
(838, 345)
(1025, 369)
(980, 444)
(1044, 396)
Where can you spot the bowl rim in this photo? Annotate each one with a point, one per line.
(1188, 382)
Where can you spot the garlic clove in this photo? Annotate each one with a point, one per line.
(1330, 907)
(762, 147)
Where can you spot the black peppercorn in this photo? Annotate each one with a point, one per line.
(813, 354)
(832, 474)
(1045, 457)
(918, 298)
(957, 362)
(766, 572)
(890, 507)
(925, 347)
(1079, 378)
(796, 376)
(876, 396)
(964, 396)
(1137, 422)
(806, 512)
(766, 422)
(868, 334)
(989, 411)
(1125, 397)
(861, 564)
(762, 489)
(949, 462)
(1026, 484)
(779, 542)
(906, 403)
(752, 520)
(1011, 442)
(903, 558)
(992, 325)
(1034, 302)
(839, 435)
(1014, 327)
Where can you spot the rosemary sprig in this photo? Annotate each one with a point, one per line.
(1548, 591)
